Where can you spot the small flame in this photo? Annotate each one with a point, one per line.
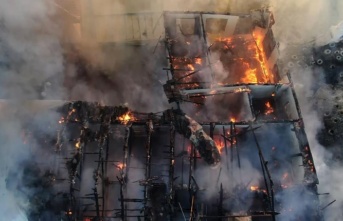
(254, 188)
(198, 61)
(269, 108)
(78, 144)
(220, 145)
(120, 166)
(239, 90)
(232, 119)
(126, 118)
(190, 67)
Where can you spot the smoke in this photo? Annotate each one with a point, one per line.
(30, 55)
(32, 67)
(297, 24)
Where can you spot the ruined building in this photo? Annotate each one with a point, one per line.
(232, 145)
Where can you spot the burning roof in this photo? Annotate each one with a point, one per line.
(233, 113)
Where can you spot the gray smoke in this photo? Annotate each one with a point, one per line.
(297, 24)
(31, 60)
(30, 54)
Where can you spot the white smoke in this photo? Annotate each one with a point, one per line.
(297, 24)
(30, 55)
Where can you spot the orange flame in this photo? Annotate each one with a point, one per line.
(269, 108)
(268, 76)
(120, 166)
(250, 75)
(78, 144)
(255, 67)
(198, 61)
(126, 118)
(254, 188)
(220, 145)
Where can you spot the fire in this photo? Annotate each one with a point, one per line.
(190, 67)
(184, 67)
(240, 90)
(252, 65)
(268, 76)
(254, 188)
(220, 145)
(269, 108)
(126, 118)
(232, 119)
(198, 61)
(250, 75)
(78, 144)
(120, 166)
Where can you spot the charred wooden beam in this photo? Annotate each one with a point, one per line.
(266, 175)
(195, 133)
(171, 165)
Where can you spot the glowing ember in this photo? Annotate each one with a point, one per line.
(198, 61)
(126, 118)
(190, 67)
(242, 90)
(269, 108)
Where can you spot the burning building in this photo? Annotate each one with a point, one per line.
(233, 147)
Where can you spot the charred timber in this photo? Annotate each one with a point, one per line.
(195, 133)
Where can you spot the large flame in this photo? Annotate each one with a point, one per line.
(252, 65)
(268, 75)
